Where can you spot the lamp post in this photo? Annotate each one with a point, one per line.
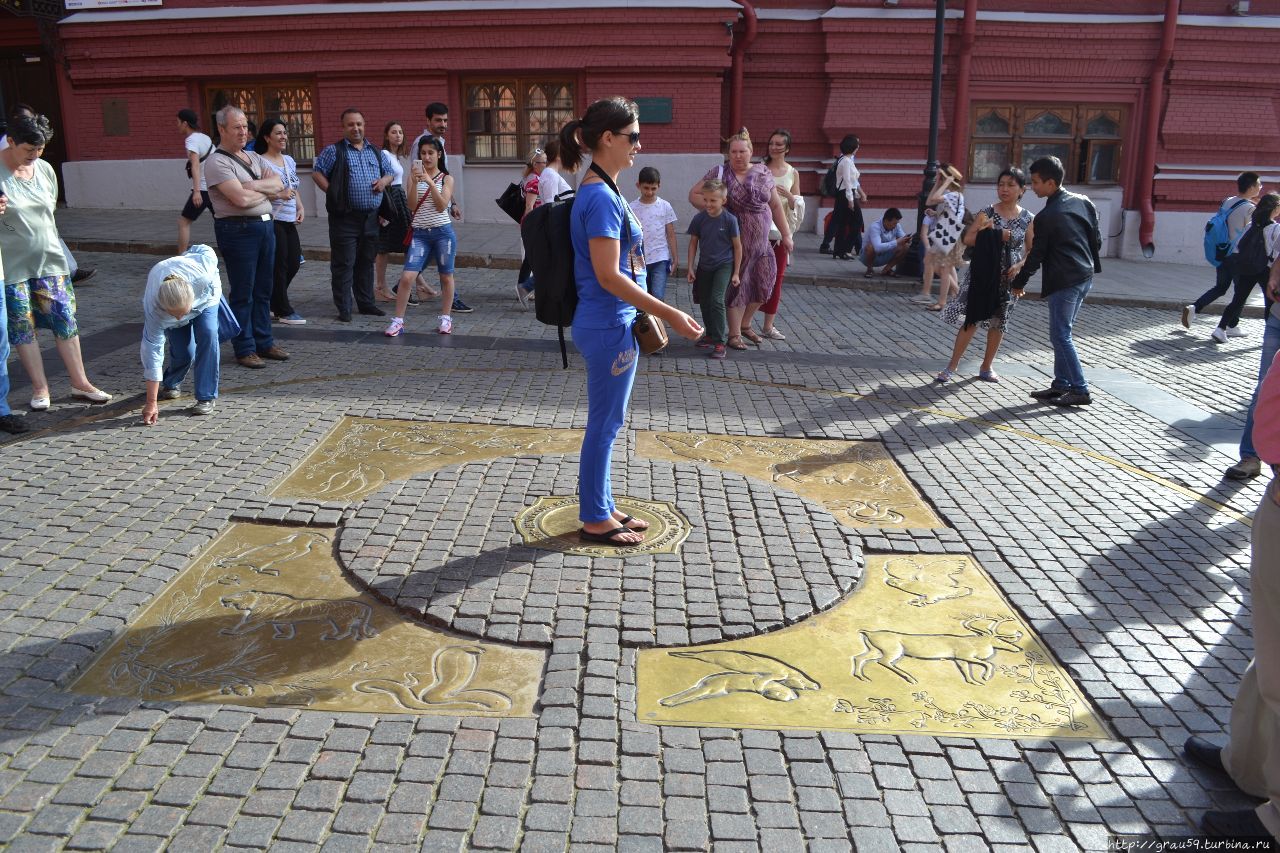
(935, 108)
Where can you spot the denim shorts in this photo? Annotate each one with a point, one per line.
(428, 243)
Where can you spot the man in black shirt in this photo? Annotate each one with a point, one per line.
(1066, 243)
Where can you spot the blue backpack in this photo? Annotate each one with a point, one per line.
(1217, 236)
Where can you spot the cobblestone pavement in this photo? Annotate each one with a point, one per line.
(1108, 527)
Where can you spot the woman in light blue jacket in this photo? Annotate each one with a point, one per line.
(180, 308)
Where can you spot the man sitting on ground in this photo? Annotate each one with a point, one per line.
(887, 243)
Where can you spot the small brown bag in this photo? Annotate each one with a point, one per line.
(650, 332)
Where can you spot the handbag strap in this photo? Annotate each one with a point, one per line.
(426, 195)
(626, 215)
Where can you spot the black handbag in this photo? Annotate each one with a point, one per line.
(512, 202)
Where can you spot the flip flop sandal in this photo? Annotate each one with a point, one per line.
(738, 345)
(934, 307)
(750, 334)
(989, 376)
(627, 519)
(607, 538)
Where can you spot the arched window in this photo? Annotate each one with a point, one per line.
(507, 118)
(1087, 139)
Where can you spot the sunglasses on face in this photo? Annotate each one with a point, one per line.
(633, 137)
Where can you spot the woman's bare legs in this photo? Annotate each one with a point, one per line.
(380, 281)
(33, 364)
(403, 291)
(749, 315)
(69, 351)
(963, 337)
(994, 337)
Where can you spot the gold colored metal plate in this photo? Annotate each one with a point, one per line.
(552, 523)
(857, 481)
(264, 618)
(926, 646)
(362, 454)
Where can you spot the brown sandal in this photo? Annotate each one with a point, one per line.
(750, 334)
(738, 345)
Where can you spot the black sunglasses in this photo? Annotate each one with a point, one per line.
(633, 137)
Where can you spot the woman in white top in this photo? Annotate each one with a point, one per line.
(945, 252)
(786, 180)
(551, 183)
(530, 183)
(430, 191)
(396, 156)
(287, 213)
(846, 223)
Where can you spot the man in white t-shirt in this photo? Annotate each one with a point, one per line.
(198, 148)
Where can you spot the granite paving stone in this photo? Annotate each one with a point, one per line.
(1138, 588)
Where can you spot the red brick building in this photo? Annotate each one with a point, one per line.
(1155, 105)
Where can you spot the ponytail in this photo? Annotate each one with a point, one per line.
(570, 148)
(607, 115)
(1265, 210)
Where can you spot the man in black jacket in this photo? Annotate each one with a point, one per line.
(1066, 243)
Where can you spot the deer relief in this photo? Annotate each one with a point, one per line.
(971, 653)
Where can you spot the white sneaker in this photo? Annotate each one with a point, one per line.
(1188, 315)
(446, 325)
(1237, 332)
(1219, 335)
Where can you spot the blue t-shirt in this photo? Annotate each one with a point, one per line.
(598, 212)
(715, 238)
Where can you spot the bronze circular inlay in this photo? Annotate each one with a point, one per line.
(552, 523)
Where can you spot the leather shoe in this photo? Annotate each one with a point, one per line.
(1243, 823)
(1048, 393)
(14, 424)
(252, 360)
(1072, 398)
(373, 311)
(274, 353)
(1204, 754)
(344, 317)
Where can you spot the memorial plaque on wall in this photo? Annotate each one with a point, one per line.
(115, 117)
(655, 110)
(76, 5)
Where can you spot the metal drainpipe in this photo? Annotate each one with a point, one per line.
(964, 61)
(1151, 131)
(738, 55)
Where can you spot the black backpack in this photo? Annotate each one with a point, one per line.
(827, 186)
(1251, 252)
(548, 247)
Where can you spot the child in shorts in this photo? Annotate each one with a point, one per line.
(714, 240)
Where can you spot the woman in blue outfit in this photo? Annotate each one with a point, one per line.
(611, 285)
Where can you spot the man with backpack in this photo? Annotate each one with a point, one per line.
(1222, 232)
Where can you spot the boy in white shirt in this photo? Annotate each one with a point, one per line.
(657, 221)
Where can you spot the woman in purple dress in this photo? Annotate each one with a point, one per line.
(754, 200)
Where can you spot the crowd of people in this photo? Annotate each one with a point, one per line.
(739, 244)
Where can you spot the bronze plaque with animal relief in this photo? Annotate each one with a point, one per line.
(264, 618)
(926, 646)
(856, 481)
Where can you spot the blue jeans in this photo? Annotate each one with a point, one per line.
(1064, 305)
(611, 355)
(1270, 345)
(249, 252)
(439, 244)
(4, 357)
(196, 341)
(657, 277)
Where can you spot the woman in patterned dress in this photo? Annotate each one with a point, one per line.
(754, 200)
(1009, 217)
